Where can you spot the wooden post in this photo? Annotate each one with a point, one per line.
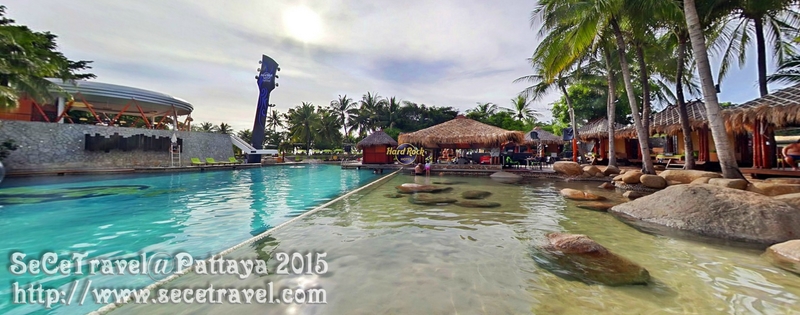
(574, 149)
(757, 145)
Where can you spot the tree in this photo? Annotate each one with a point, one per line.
(521, 108)
(342, 107)
(274, 120)
(482, 111)
(716, 124)
(327, 130)
(246, 135)
(302, 121)
(224, 128)
(787, 72)
(29, 58)
(207, 127)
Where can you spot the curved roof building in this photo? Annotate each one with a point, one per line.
(105, 97)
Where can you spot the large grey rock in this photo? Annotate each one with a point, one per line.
(631, 177)
(567, 168)
(791, 199)
(687, 176)
(785, 255)
(653, 181)
(505, 177)
(575, 194)
(578, 256)
(716, 211)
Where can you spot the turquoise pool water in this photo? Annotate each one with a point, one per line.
(124, 216)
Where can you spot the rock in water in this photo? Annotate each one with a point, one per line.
(607, 185)
(578, 256)
(567, 168)
(611, 170)
(415, 188)
(632, 177)
(575, 194)
(592, 170)
(716, 211)
(505, 177)
(596, 206)
(430, 199)
(632, 194)
(477, 204)
(394, 195)
(475, 194)
(785, 255)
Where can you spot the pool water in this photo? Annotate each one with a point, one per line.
(123, 216)
(387, 256)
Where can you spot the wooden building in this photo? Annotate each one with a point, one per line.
(374, 148)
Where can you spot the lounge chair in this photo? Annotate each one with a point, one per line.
(233, 160)
(196, 161)
(211, 161)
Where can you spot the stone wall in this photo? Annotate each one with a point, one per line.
(50, 146)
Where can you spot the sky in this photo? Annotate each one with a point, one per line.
(442, 53)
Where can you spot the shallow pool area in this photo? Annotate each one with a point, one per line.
(388, 256)
(124, 216)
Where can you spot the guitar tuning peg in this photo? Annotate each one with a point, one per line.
(276, 76)
(256, 77)
(276, 84)
(279, 69)
(259, 62)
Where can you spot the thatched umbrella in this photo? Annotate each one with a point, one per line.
(545, 137)
(378, 138)
(596, 129)
(779, 109)
(461, 132)
(668, 120)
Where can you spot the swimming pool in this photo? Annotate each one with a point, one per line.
(388, 256)
(124, 216)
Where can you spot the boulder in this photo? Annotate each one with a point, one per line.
(567, 168)
(585, 175)
(591, 169)
(653, 181)
(611, 170)
(623, 171)
(448, 183)
(791, 199)
(505, 177)
(393, 195)
(416, 188)
(715, 211)
(477, 204)
(617, 178)
(779, 180)
(430, 199)
(631, 194)
(773, 189)
(659, 167)
(675, 182)
(575, 194)
(596, 206)
(600, 175)
(631, 177)
(701, 180)
(687, 176)
(475, 194)
(606, 185)
(740, 184)
(785, 255)
(578, 256)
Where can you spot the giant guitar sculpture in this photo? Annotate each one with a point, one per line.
(266, 83)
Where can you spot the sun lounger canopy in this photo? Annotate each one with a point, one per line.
(112, 98)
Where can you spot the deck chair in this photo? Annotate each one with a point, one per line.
(196, 161)
(233, 160)
(510, 162)
(213, 162)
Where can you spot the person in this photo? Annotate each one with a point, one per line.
(791, 154)
(428, 166)
(418, 169)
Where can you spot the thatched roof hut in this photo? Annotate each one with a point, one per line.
(597, 128)
(545, 137)
(461, 132)
(378, 138)
(668, 120)
(780, 109)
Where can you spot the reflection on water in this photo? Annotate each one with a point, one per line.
(388, 256)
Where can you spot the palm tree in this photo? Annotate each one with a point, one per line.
(207, 127)
(28, 59)
(328, 126)
(724, 151)
(370, 109)
(776, 20)
(482, 111)
(520, 108)
(275, 120)
(302, 121)
(389, 112)
(787, 72)
(342, 107)
(246, 135)
(224, 128)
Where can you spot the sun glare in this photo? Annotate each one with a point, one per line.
(302, 23)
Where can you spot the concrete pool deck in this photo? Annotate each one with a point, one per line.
(104, 171)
